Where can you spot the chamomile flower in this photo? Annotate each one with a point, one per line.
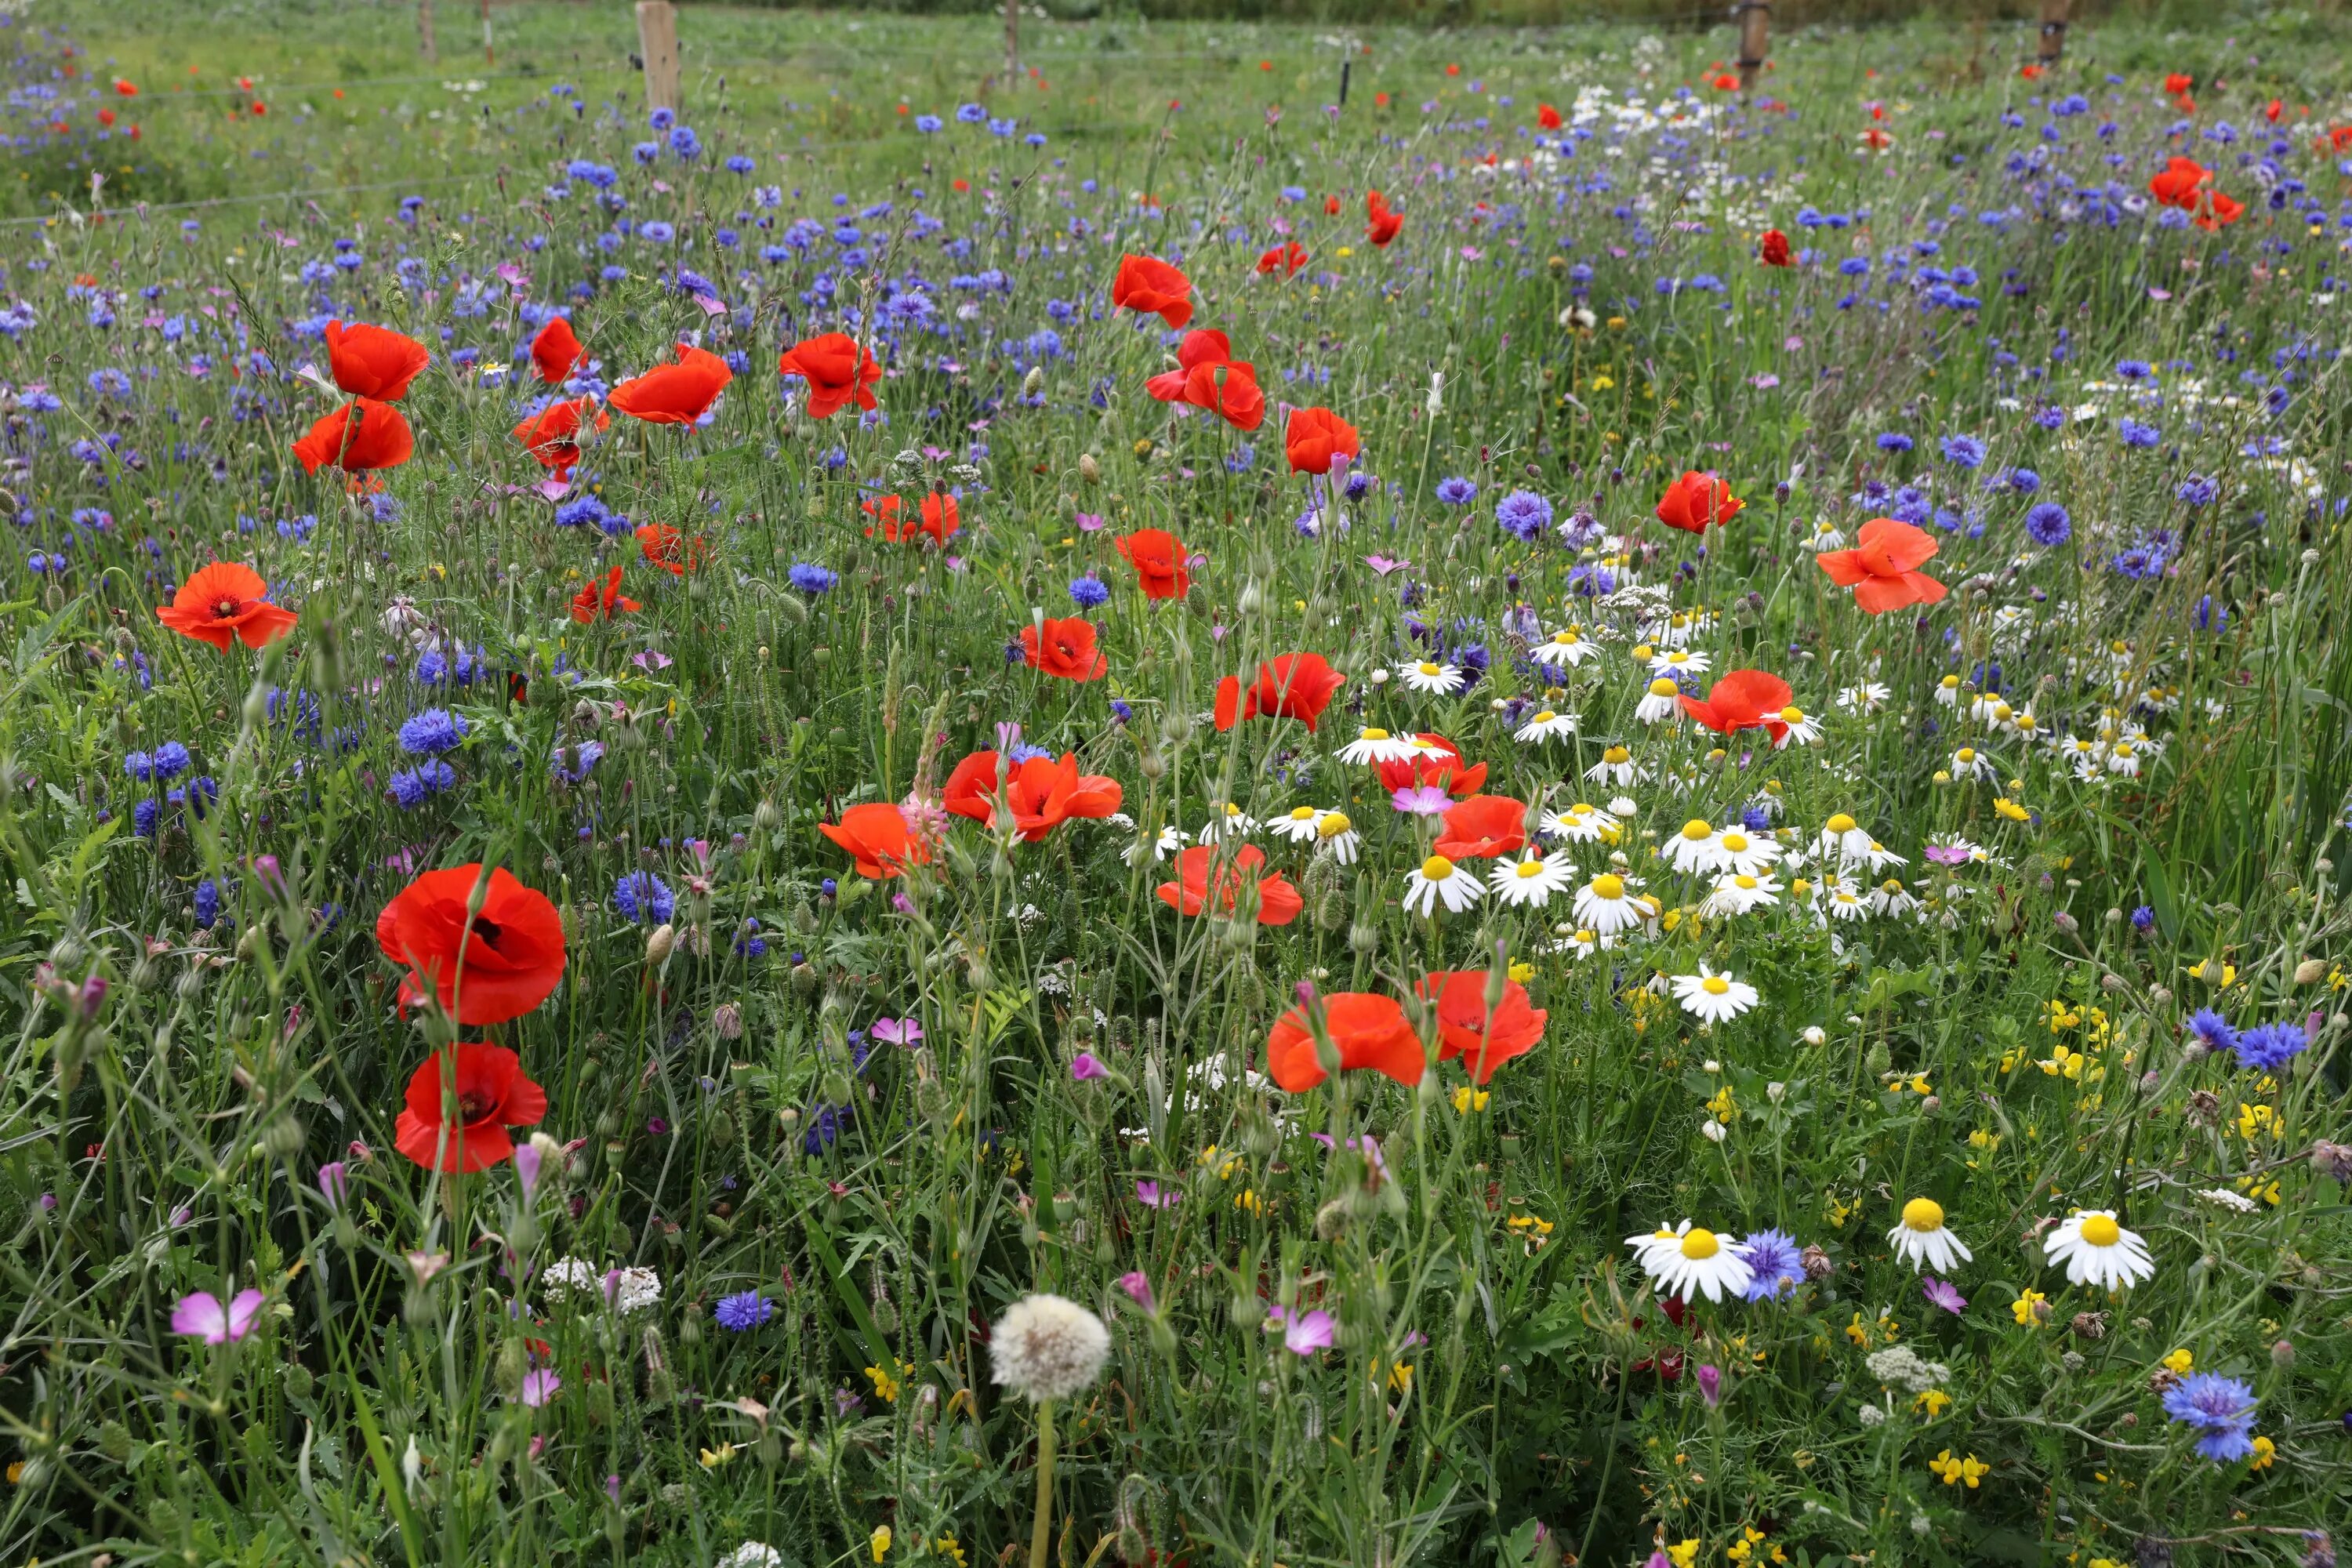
(1168, 841)
(1564, 650)
(1694, 849)
(1921, 1240)
(1986, 707)
(1679, 661)
(1438, 879)
(1893, 899)
(1296, 824)
(1228, 821)
(1678, 629)
(1825, 536)
(1691, 1261)
(2081, 754)
(1617, 767)
(1803, 729)
(1583, 943)
(1607, 904)
(1581, 824)
(1657, 704)
(1865, 697)
(1841, 839)
(1713, 997)
(1531, 881)
(1737, 849)
(1967, 763)
(1375, 745)
(2124, 757)
(1879, 857)
(1545, 725)
(1738, 893)
(1840, 902)
(2096, 1250)
(1338, 836)
(1948, 692)
(1429, 675)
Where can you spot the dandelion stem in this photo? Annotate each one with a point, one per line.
(1041, 1525)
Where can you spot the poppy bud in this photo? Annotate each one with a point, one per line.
(659, 943)
(1088, 470)
(2310, 971)
(1364, 938)
(1035, 381)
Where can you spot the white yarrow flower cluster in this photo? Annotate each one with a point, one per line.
(625, 1291)
(1048, 1347)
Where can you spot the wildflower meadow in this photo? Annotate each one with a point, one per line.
(1264, 792)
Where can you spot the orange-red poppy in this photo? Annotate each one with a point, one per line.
(1547, 117)
(1158, 561)
(603, 601)
(1064, 648)
(1772, 247)
(361, 436)
(1368, 1030)
(498, 963)
(1482, 828)
(1292, 686)
(1742, 699)
(2179, 82)
(839, 370)
(556, 351)
(373, 361)
(1208, 376)
(2178, 183)
(1314, 437)
(1381, 222)
(1697, 499)
(676, 393)
(2217, 210)
(460, 1124)
(878, 840)
(1438, 762)
(1884, 569)
(1207, 878)
(1149, 286)
(1466, 1030)
(551, 436)
(1041, 793)
(226, 603)
(667, 548)
(1285, 260)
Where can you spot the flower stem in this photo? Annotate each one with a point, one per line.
(1040, 1526)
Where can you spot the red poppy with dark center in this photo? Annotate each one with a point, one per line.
(1207, 377)
(1772, 248)
(1883, 570)
(839, 370)
(1438, 762)
(878, 840)
(1206, 347)
(2217, 210)
(556, 351)
(226, 603)
(1381, 222)
(1042, 793)
(884, 510)
(1484, 826)
(1369, 1032)
(1482, 1041)
(1206, 878)
(1698, 500)
(2178, 183)
(1159, 562)
(1064, 648)
(460, 1104)
(1293, 686)
(1547, 117)
(1314, 437)
(551, 435)
(373, 361)
(506, 962)
(601, 602)
(676, 393)
(673, 551)
(361, 436)
(1149, 286)
(1742, 699)
(1285, 260)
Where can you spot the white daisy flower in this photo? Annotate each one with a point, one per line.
(1532, 880)
(1695, 1262)
(1712, 996)
(1617, 767)
(1583, 943)
(1893, 899)
(1694, 849)
(1296, 824)
(1677, 629)
(1373, 745)
(1580, 824)
(1841, 839)
(1984, 707)
(2123, 758)
(1804, 729)
(1608, 906)
(1967, 763)
(1867, 697)
(1429, 675)
(1168, 841)
(1738, 893)
(1657, 704)
(1840, 902)
(1880, 857)
(1737, 849)
(1545, 725)
(1675, 660)
(1564, 650)
(1230, 820)
(2097, 1250)
(1339, 837)
(1826, 537)
(1948, 692)
(1921, 1240)
(1438, 879)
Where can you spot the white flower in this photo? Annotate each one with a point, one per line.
(1583, 943)
(1737, 849)
(1373, 745)
(1713, 997)
(1580, 824)
(1690, 1262)
(2223, 1198)
(1298, 824)
(1826, 537)
(1531, 881)
(1737, 892)
(1048, 1347)
(1657, 704)
(754, 1554)
(1843, 839)
(1338, 835)
(1438, 879)
(1545, 725)
(1617, 767)
(1564, 650)
(1967, 763)
(1842, 901)
(1230, 820)
(1694, 849)
(1169, 840)
(1804, 729)
(1893, 899)
(1675, 660)
(1948, 692)
(1607, 906)
(1444, 679)
(1868, 696)
(2097, 1250)
(1921, 1240)
(2124, 759)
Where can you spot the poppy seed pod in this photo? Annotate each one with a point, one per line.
(659, 943)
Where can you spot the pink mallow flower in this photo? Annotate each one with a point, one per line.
(207, 1316)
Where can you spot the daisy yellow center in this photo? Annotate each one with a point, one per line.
(1922, 1214)
(1678, 658)
(1696, 829)
(2123, 748)
(1530, 869)
(1744, 883)
(1232, 810)
(1715, 986)
(1951, 683)
(1793, 714)
(1565, 639)
(1609, 884)
(1616, 755)
(1891, 885)
(1965, 755)
(1545, 717)
(1735, 842)
(2000, 711)
(1334, 824)
(1662, 687)
(1584, 939)
(1376, 734)
(2101, 1231)
(1428, 669)
(1437, 868)
(1841, 823)
(1645, 653)
(1697, 1244)
(1302, 814)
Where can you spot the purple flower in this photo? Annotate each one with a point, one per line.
(2220, 1408)
(215, 1320)
(527, 1160)
(1137, 1285)
(743, 1312)
(1149, 1194)
(334, 1182)
(2271, 1047)
(1304, 1334)
(1775, 1265)
(1710, 1386)
(1942, 1293)
(541, 1386)
(897, 1032)
(2212, 1029)
(1421, 800)
(1084, 1067)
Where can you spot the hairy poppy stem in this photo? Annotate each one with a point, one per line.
(1041, 1526)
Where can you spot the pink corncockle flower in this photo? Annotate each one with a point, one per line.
(1421, 800)
(1150, 1195)
(1137, 1285)
(1947, 855)
(1942, 1293)
(1304, 1334)
(207, 1316)
(1710, 1386)
(527, 1159)
(897, 1031)
(1085, 1066)
(334, 1181)
(541, 1388)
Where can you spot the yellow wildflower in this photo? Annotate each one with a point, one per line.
(1956, 1472)
(2181, 1362)
(879, 1542)
(2030, 1309)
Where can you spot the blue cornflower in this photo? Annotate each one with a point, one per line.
(1774, 1261)
(432, 732)
(583, 757)
(1456, 492)
(208, 902)
(2135, 369)
(2209, 617)
(412, 787)
(810, 579)
(2213, 1029)
(1895, 441)
(2220, 1408)
(642, 896)
(743, 1312)
(586, 509)
(2270, 1046)
(929, 124)
(971, 114)
(1523, 514)
(2135, 433)
(2048, 525)
(1088, 592)
(2143, 918)
(2024, 481)
(1966, 451)
(2197, 490)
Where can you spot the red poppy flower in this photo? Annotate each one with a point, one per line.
(1439, 762)
(505, 965)
(1465, 1029)
(1065, 648)
(1285, 260)
(1883, 571)
(1207, 376)
(223, 604)
(2217, 210)
(1149, 286)
(2030, 71)
(884, 510)
(551, 435)
(1295, 686)
(1547, 117)
(1742, 699)
(359, 436)
(669, 549)
(603, 601)
(1381, 222)
(676, 393)
(373, 361)
(1159, 562)
(556, 351)
(2179, 82)
(1724, 82)
(839, 370)
(2178, 185)
(1278, 902)
(1772, 247)
(1042, 793)
(1316, 436)
(460, 1124)
(126, 88)
(942, 519)
(1331, 203)
(2273, 109)
(878, 840)
(1484, 826)
(1696, 500)
(1368, 1030)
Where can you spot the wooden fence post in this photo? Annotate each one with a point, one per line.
(1755, 28)
(425, 32)
(2054, 30)
(1012, 44)
(657, 44)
